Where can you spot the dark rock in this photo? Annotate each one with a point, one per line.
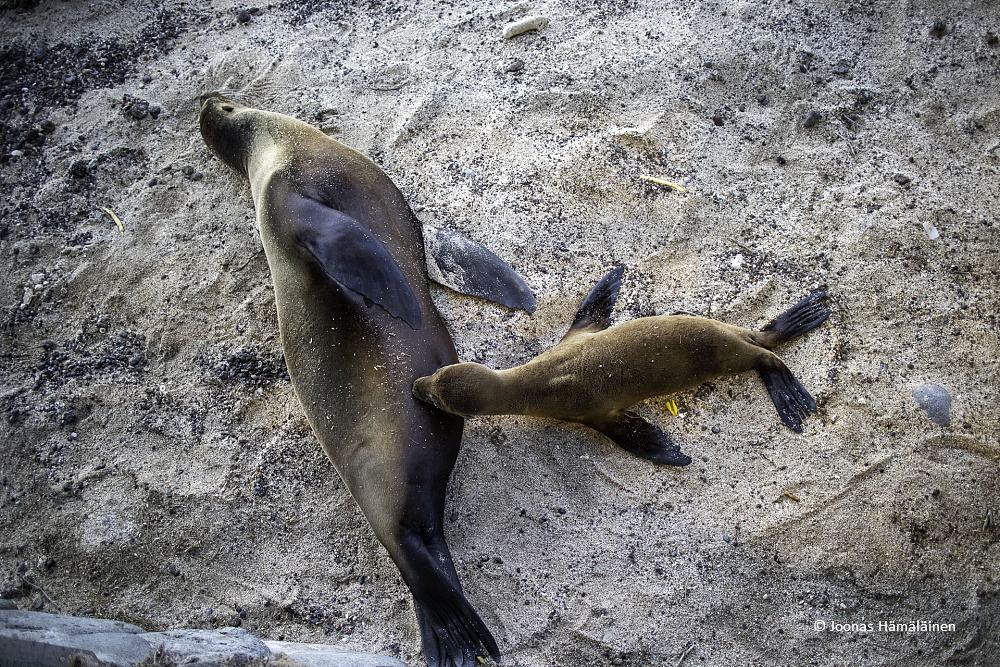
(762, 100)
(717, 119)
(79, 169)
(992, 39)
(901, 179)
(154, 111)
(938, 29)
(936, 402)
(781, 160)
(812, 119)
(243, 16)
(135, 107)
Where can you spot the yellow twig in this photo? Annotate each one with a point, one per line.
(791, 495)
(121, 227)
(672, 408)
(660, 181)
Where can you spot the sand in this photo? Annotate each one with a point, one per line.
(157, 468)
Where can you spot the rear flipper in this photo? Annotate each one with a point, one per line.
(804, 316)
(790, 398)
(451, 631)
(636, 435)
(460, 263)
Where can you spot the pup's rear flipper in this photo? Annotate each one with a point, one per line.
(636, 435)
(463, 265)
(804, 316)
(451, 631)
(790, 398)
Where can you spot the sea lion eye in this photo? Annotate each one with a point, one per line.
(227, 107)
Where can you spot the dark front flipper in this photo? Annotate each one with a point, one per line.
(633, 433)
(595, 311)
(790, 398)
(352, 256)
(804, 316)
(463, 265)
(450, 629)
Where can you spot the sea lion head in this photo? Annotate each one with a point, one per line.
(458, 389)
(229, 129)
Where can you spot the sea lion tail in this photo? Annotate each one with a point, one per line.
(804, 316)
(451, 631)
(790, 398)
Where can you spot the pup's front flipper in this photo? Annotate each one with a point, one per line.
(633, 433)
(459, 263)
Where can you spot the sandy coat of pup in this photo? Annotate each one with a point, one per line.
(594, 373)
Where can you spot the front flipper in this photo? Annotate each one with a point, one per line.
(353, 256)
(463, 265)
(595, 311)
(633, 433)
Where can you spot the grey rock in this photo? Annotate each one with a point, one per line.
(812, 119)
(31, 639)
(936, 402)
(322, 655)
(35, 639)
(208, 648)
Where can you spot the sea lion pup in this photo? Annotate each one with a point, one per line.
(594, 372)
(357, 326)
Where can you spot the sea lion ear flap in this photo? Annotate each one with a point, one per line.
(459, 263)
(353, 257)
(595, 311)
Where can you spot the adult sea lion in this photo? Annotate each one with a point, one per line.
(357, 326)
(594, 373)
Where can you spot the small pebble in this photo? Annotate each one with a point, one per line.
(716, 429)
(38, 604)
(812, 119)
(154, 111)
(762, 100)
(782, 160)
(727, 539)
(243, 16)
(48, 127)
(516, 66)
(938, 28)
(147, 77)
(717, 119)
(196, 176)
(152, 182)
(901, 179)
(936, 402)
(524, 25)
